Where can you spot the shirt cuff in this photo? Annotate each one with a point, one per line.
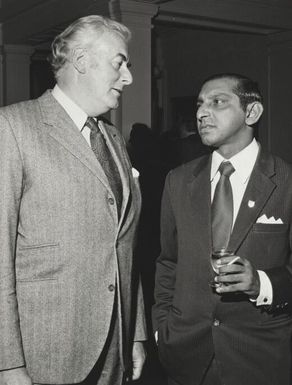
(266, 290)
(156, 336)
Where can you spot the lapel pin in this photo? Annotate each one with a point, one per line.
(251, 204)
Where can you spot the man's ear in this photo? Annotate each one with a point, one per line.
(253, 113)
(79, 59)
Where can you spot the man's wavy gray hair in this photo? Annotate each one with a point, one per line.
(79, 34)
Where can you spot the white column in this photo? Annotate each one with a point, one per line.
(136, 101)
(16, 73)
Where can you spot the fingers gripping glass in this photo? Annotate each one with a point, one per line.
(215, 257)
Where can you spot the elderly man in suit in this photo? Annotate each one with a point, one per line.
(237, 331)
(71, 305)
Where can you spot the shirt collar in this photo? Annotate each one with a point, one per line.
(243, 161)
(73, 110)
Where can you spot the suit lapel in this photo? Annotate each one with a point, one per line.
(199, 190)
(114, 144)
(63, 130)
(258, 191)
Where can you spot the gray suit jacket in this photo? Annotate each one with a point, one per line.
(64, 254)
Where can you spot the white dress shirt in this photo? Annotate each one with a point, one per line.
(78, 116)
(243, 163)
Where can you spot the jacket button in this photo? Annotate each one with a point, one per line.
(111, 287)
(216, 322)
(111, 201)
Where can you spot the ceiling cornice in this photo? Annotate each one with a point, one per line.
(252, 14)
(153, 1)
(41, 21)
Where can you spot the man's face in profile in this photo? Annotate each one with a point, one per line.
(107, 73)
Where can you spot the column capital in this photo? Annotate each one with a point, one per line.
(139, 13)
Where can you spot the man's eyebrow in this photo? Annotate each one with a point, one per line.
(216, 94)
(122, 56)
(220, 93)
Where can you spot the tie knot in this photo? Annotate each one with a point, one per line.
(226, 169)
(92, 124)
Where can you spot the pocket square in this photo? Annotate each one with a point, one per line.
(135, 173)
(271, 220)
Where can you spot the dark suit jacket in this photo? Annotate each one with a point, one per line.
(65, 254)
(251, 344)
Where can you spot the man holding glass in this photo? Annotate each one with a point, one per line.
(234, 327)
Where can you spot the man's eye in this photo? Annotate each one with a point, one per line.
(117, 64)
(218, 102)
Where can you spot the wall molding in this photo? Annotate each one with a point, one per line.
(248, 14)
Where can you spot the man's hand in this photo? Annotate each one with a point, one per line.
(16, 376)
(138, 356)
(238, 277)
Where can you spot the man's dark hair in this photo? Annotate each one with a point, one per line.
(246, 89)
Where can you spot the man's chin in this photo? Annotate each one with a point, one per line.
(114, 105)
(208, 141)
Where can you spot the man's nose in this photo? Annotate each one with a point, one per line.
(127, 77)
(202, 111)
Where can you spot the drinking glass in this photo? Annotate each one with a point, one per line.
(215, 256)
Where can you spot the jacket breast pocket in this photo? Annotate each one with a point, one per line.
(267, 245)
(272, 228)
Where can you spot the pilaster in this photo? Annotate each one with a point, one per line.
(136, 101)
(16, 73)
(1, 66)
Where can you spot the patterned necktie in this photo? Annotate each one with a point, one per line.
(222, 208)
(104, 156)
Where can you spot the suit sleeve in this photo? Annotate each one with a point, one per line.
(166, 263)
(281, 276)
(140, 328)
(281, 280)
(11, 177)
(140, 333)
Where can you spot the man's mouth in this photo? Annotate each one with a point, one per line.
(206, 127)
(118, 91)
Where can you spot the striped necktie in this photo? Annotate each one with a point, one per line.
(105, 158)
